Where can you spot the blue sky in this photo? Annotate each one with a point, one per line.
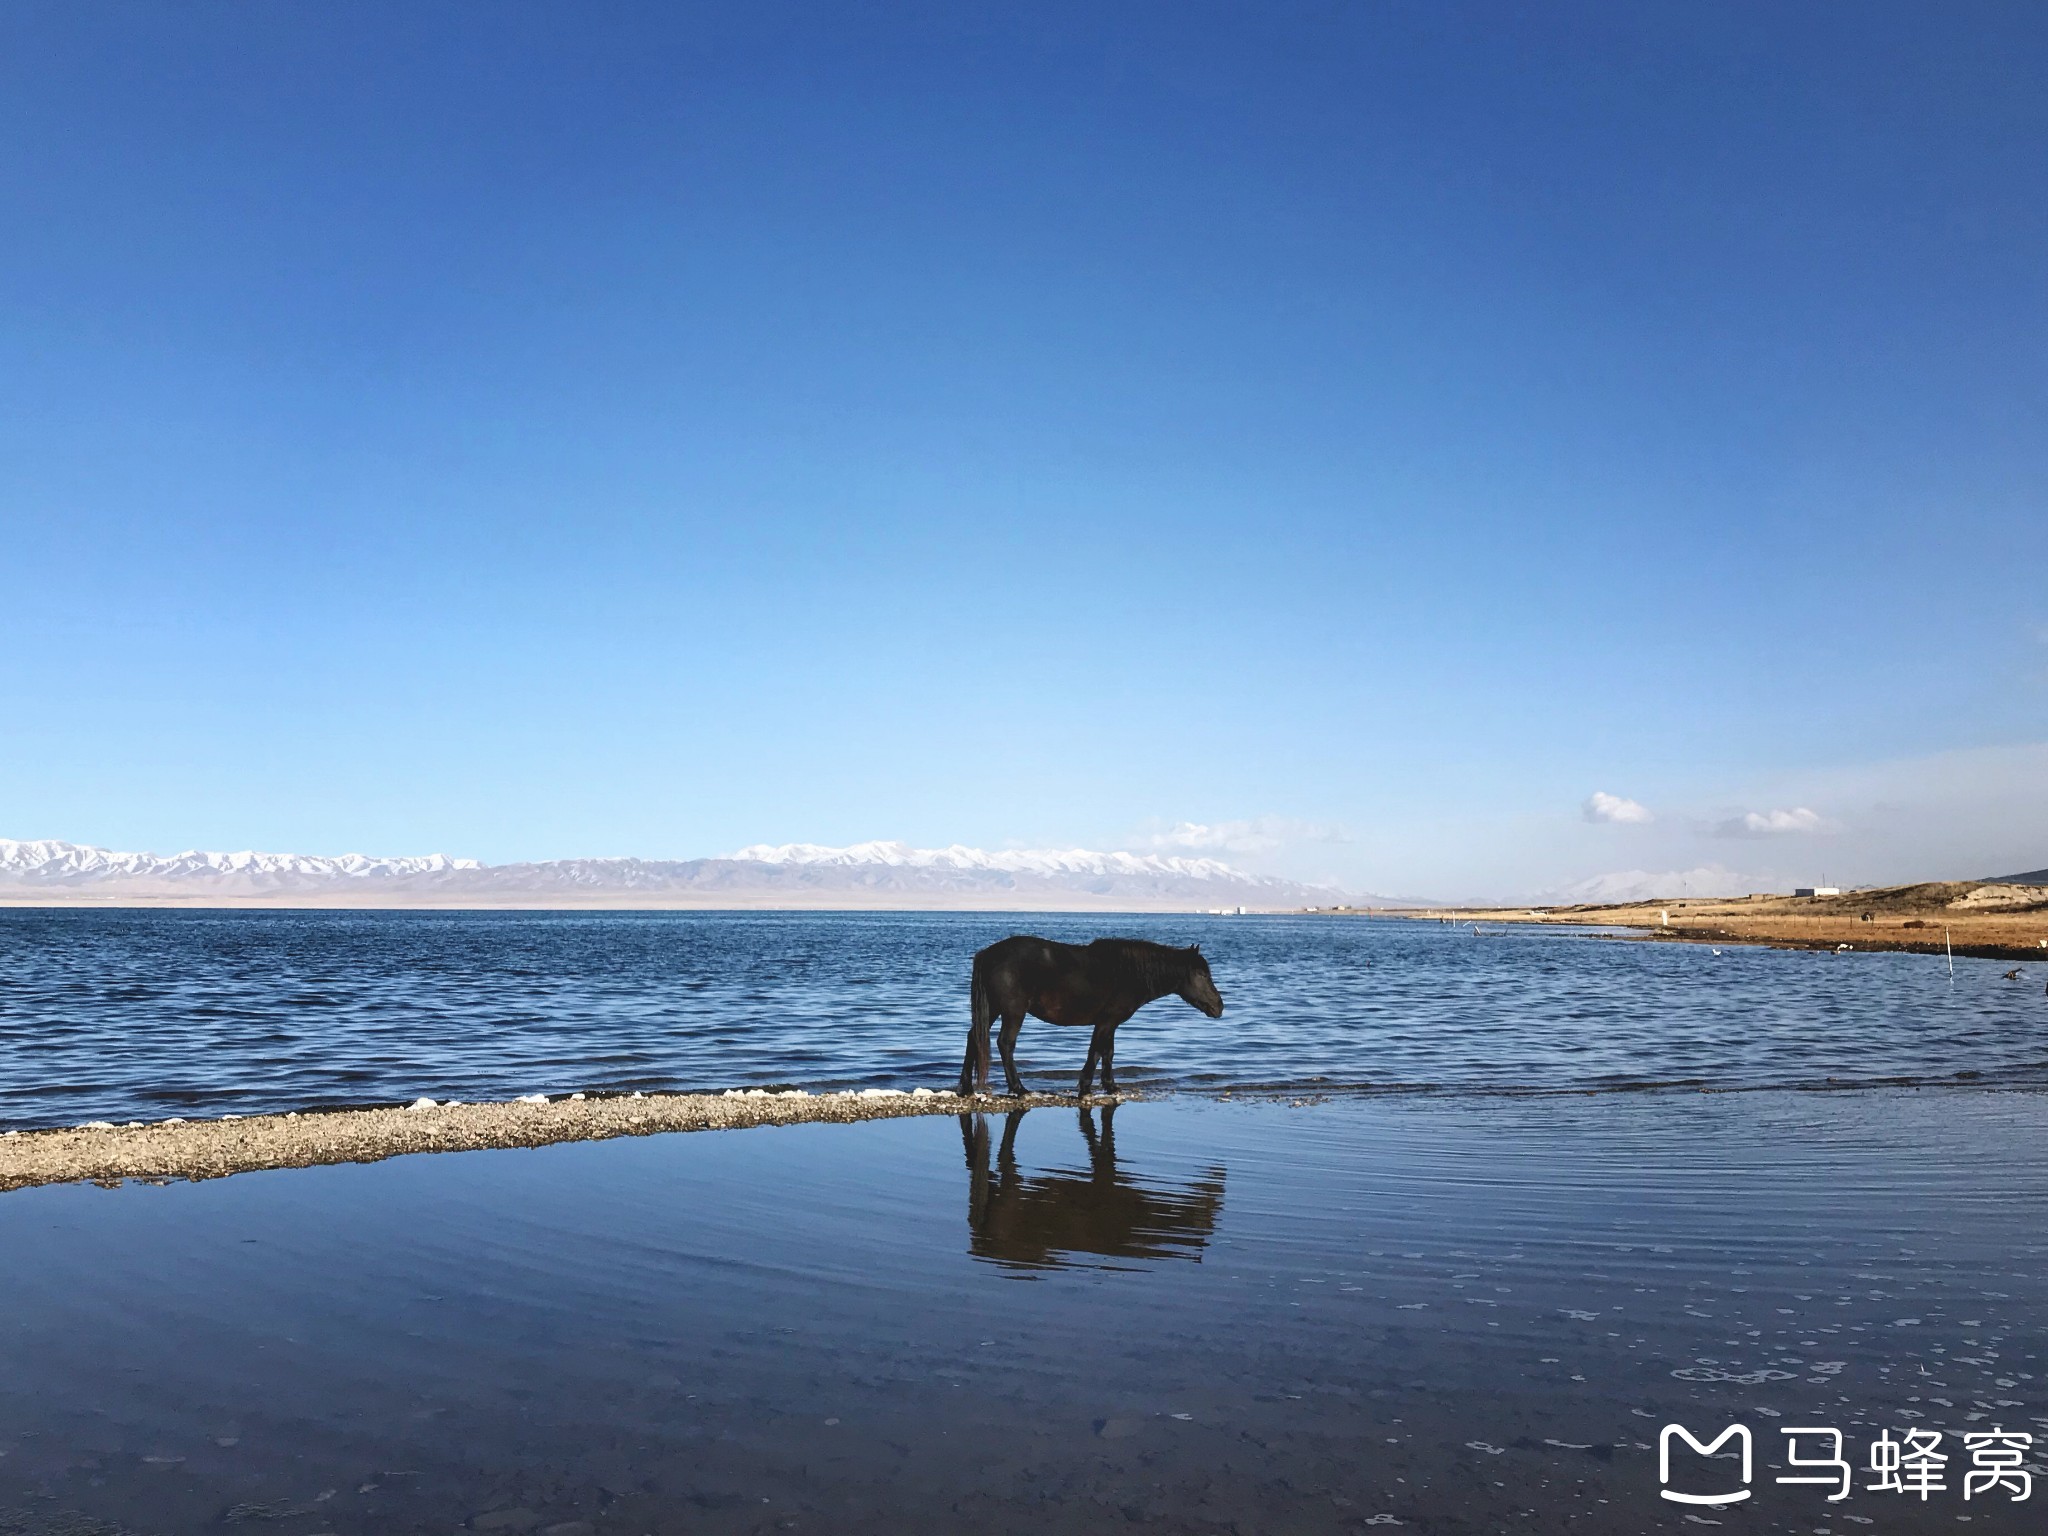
(1342, 438)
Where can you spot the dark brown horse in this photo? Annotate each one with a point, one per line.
(1096, 986)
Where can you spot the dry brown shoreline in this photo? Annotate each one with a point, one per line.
(1970, 918)
(206, 1149)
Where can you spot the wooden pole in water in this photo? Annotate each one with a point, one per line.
(1949, 945)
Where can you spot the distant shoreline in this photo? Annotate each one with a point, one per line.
(1972, 919)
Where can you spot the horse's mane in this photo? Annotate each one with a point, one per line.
(1158, 965)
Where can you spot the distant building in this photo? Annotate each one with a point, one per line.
(1816, 890)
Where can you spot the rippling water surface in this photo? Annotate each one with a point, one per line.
(1453, 1315)
(143, 1014)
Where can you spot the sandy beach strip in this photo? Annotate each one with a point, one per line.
(208, 1149)
(1969, 919)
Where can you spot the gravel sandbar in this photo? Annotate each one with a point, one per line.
(208, 1149)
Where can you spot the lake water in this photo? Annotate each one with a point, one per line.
(1449, 1315)
(1420, 1242)
(124, 1015)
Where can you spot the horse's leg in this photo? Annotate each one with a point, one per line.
(1012, 1023)
(1008, 1155)
(974, 1138)
(1108, 1033)
(1088, 1066)
(1095, 1164)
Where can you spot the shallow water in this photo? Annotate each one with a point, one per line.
(1452, 1314)
(141, 1014)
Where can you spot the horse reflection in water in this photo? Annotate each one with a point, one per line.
(1059, 1218)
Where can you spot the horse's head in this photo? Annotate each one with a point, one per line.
(1200, 992)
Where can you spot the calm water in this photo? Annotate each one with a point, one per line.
(1446, 1314)
(122, 1015)
(1333, 1310)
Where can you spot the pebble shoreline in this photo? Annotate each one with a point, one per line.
(209, 1149)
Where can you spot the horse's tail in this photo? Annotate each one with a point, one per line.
(984, 1007)
(983, 1016)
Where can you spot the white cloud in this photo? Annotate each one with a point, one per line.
(1260, 834)
(1601, 806)
(1230, 836)
(1797, 821)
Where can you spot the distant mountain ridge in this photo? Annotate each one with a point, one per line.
(50, 860)
(874, 875)
(1041, 861)
(1644, 885)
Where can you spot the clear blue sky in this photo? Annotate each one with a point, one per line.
(1363, 431)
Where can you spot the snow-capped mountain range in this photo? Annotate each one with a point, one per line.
(51, 860)
(1035, 861)
(876, 874)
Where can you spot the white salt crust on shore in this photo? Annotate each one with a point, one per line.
(205, 1149)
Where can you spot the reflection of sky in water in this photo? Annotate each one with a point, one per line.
(1476, 1313)
(118, 1015)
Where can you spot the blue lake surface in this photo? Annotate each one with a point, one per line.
(1438, 1263)
(145, 1014)
(1451, 1315)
